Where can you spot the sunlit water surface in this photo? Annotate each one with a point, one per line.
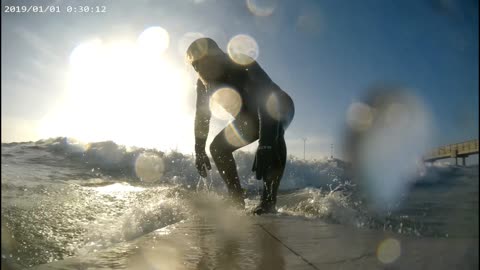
(60, 199)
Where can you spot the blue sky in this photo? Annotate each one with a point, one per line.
(325, 54)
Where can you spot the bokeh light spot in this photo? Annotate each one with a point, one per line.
(154, 40)
(225, 103)
(280, 107)
(389, 250)
(273, 106)
(149, 167)
(165, 255)
(397, 114)
(262, 7)
(8, 242)
(388, 135)
(242, 49)
(311, 22)
(359, 116)
(233, 137)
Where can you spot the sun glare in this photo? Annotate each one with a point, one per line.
(125, 91)
(154, 40)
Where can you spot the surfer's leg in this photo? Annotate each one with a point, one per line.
(240, 132)
(272, 182)
(277, 173)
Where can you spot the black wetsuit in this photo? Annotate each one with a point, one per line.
(265, 113)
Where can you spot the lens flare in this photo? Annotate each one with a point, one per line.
(389, 250)
(262, 7)
(280, 107)
(233, 137)
(359, 116)
(225, 103)
(154, 40)
(164, 255)
(397, 114)
(107, 153)
(149, 167)
(106, 78)
(243, 49)
(388, 135)
(273, 107)
(311, 22)
(8, 242)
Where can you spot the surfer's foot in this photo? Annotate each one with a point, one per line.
(265, 208)
(236, 197)
(238, 201)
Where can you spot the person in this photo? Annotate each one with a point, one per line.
(264, 113)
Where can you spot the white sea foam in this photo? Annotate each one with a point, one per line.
(61, 198)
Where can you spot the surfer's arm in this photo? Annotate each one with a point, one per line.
(202, 124)
(202, 118)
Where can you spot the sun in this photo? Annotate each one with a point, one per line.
(125, 91)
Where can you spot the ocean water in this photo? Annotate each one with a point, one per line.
(61, 198)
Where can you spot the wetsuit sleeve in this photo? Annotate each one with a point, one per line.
(202, 117)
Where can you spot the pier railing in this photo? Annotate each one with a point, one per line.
(455, 150)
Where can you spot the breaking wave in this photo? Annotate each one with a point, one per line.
(62, 198)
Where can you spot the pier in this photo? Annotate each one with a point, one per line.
(457, 150)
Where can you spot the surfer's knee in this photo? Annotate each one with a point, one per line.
(218, 149)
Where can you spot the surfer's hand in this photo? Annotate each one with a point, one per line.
(265, 158)
(202, 163)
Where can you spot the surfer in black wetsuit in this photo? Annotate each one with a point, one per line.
(263, 113)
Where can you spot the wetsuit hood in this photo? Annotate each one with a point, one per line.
(201, 48)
